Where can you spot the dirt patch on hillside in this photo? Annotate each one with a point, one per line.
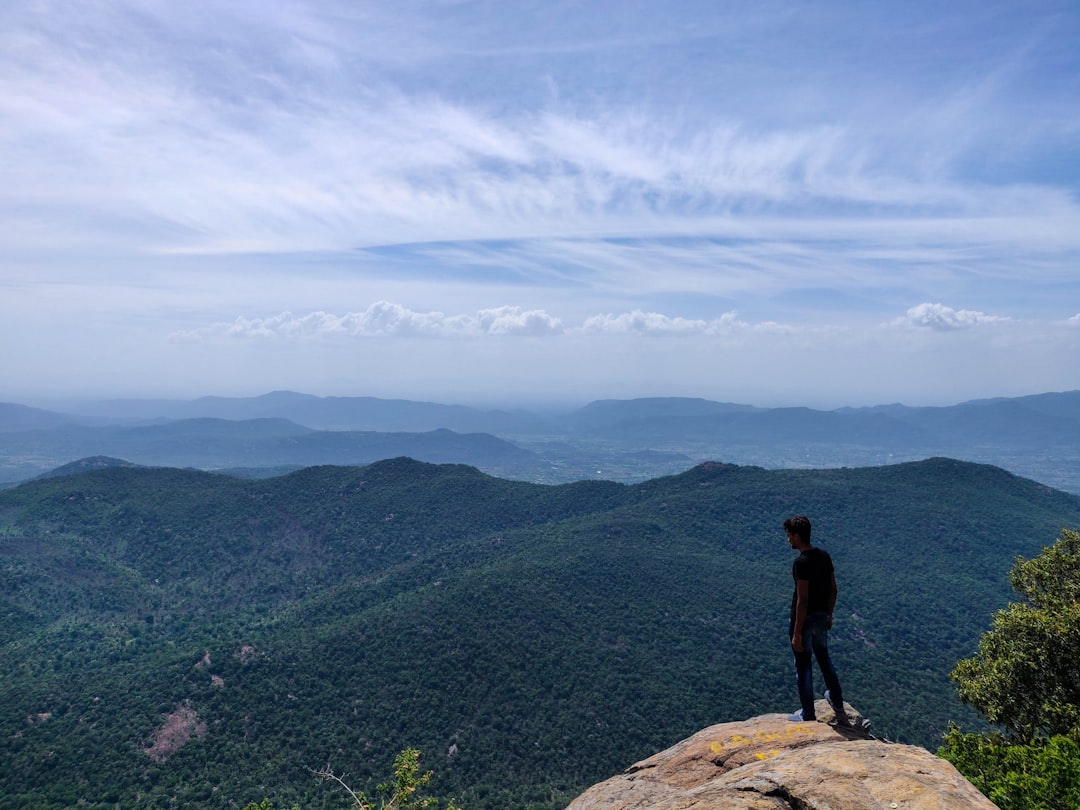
(174, 733)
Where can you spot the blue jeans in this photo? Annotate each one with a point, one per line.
(815, 643)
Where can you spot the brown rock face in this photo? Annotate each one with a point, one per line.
(771, 763)
(174, 733)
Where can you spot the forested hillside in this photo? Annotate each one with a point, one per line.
(529, 639)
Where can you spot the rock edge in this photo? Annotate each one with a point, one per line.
(772, 763)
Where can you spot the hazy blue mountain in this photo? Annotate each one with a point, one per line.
(1065, 404)
(1030, 422)
(626, 440)
(215, 443)
(702, 423)
(606, 415)
(1023, 423)
(1037, 436)
(15, 418)
(333, 413)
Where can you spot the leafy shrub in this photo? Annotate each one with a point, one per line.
(1026, 677)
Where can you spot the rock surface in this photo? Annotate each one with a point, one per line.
(772, 763)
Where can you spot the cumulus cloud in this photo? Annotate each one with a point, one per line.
(945, 319)
(643, 323)
(384, 319)
(655, 323)
(515, 321)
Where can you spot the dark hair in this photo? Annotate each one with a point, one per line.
(800, 525)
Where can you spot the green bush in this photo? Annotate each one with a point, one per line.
(1026, 674)
(1026, 678)
(1042, 775)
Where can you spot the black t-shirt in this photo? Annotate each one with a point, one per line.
(815, 566)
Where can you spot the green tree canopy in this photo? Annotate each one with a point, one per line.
(1026, 674)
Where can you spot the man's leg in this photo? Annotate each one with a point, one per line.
(820, 646)
(804, 674)
(833, 693)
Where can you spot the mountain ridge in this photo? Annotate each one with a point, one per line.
(547, 634)
(1037, 436)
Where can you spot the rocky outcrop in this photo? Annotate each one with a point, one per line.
(174, 733)
(772, 763)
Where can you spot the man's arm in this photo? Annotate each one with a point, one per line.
(802, 597)
(832, 599)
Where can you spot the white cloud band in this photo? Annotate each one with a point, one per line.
(384, 319)
(387, 319)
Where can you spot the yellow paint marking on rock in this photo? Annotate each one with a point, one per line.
(741, 741)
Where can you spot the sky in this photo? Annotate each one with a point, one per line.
(508, 202)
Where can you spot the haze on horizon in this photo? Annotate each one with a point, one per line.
(781, 203)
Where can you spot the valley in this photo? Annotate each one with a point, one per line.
(530, 639)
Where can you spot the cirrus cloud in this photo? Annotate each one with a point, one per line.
(649, 194)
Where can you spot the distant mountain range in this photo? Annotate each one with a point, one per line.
(317, 413)
(1036, 436)
(177, 638)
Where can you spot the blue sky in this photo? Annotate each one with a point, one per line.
(790, 203)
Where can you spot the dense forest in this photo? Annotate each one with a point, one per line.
(529, 639)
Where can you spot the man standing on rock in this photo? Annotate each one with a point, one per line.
(812, 606)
